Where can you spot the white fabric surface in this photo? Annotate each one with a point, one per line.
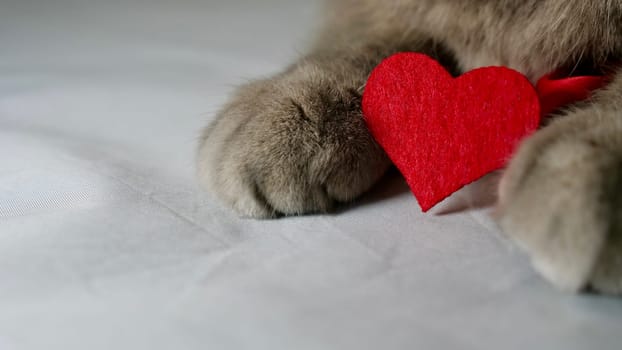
(106, 242)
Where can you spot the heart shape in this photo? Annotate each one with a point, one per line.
(441, 132)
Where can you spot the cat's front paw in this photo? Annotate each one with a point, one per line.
(290, 145)
(560, 199)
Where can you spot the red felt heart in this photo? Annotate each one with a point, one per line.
(441, 132)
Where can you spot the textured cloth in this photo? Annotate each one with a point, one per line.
(106, 241)
(444, 133)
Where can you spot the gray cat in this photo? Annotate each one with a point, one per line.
(296, 143)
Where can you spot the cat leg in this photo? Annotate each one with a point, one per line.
(561, 197)
(297, 143)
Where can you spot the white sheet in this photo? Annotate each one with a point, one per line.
(106, 242)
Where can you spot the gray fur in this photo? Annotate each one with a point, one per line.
(296, 143)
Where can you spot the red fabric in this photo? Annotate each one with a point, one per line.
(555, 93)
(443, 132)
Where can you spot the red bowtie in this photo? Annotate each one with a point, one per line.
(556, 92)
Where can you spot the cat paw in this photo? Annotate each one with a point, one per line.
(560, 200)
(290, 145)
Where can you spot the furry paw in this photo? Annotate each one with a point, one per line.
(291, 145)
(560, 200)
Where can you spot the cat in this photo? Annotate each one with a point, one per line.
(296, 143)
